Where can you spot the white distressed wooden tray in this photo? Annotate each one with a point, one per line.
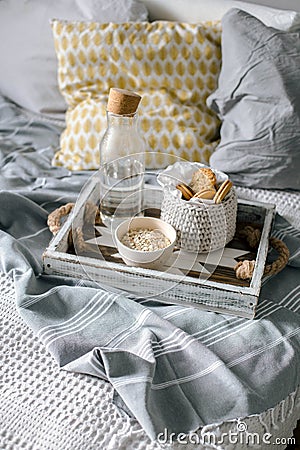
(207, 282)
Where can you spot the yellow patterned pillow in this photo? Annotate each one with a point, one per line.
(173, 66)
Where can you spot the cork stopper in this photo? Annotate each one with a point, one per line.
(122, 102)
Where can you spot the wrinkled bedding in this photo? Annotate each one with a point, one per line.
(169, 366)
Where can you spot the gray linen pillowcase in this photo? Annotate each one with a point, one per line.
(258, 101)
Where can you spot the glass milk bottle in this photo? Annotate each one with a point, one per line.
(122, 160)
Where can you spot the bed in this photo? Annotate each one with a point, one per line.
(249, 369)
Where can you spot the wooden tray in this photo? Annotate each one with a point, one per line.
(205, 281)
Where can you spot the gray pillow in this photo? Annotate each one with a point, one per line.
(258, 100)
(27, 55)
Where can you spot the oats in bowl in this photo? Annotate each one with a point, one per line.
(145, 240)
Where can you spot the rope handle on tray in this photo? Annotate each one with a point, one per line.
(91, 215)
(244, 269)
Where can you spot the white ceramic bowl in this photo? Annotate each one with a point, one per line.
(137, 258)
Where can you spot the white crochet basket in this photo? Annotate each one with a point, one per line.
(201, 226)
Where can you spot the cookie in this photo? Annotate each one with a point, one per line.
(222, 191)
(206, 194)
(186, 191)
(203, 178)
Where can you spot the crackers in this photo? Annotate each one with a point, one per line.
(222, 191)
(204, 186)
(203, 178)
(205, 194)
(186, 191)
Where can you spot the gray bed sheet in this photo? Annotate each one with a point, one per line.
(171, 367)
